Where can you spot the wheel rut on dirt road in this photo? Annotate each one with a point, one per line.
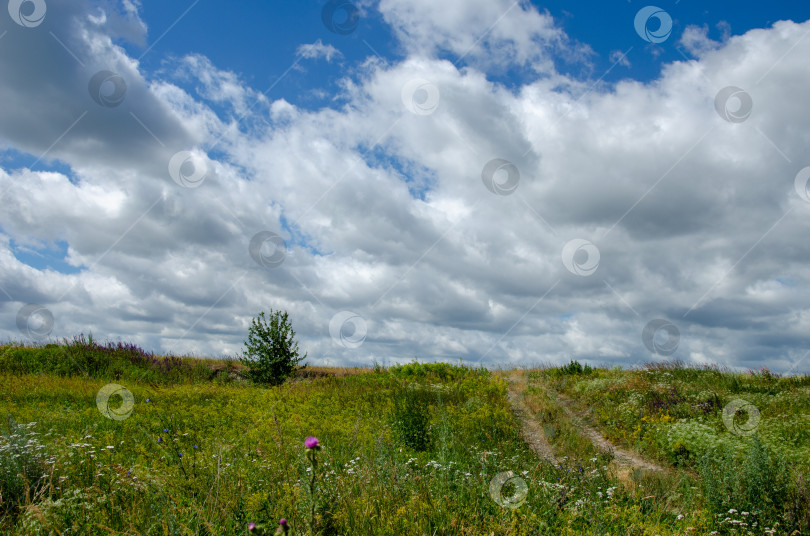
(531, 430)
(621, 455)
(534, 435)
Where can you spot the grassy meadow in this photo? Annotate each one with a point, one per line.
(108, 439)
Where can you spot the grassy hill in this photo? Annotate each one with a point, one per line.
(108, 439)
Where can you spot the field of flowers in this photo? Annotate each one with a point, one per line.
(745, 436)
(114, 442)
(676, 413)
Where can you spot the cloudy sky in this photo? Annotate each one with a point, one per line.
(498, 182)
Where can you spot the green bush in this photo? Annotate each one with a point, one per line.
(271, 352)
(438, 371)
(573, 368)
(410, 419)
(758, 482)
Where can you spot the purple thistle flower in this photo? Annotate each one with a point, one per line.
(311, 442)
(283, 526)
(252, 526)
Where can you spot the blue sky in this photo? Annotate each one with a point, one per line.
(503, 183)
(258, 39)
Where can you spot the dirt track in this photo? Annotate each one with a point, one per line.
(621, 456)
(530, 429)
(533, 432)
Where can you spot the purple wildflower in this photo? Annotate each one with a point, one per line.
(311, 442)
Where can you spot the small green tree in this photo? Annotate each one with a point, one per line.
(271, 352)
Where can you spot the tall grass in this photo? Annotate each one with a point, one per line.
(413, 449)
(673, 413)
(23, 461)
(755, 485)
(84, 356)
(196, 457)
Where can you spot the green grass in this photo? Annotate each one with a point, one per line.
(415, 449)
(754, 461)
(675, 414)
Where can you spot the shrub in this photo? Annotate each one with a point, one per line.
(661, 402)
(435, 371)
(572, 369)
(411, 416)
(758, 483)
(271, 350)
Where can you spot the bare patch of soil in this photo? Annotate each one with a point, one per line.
(621, 455)
(531, 430)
